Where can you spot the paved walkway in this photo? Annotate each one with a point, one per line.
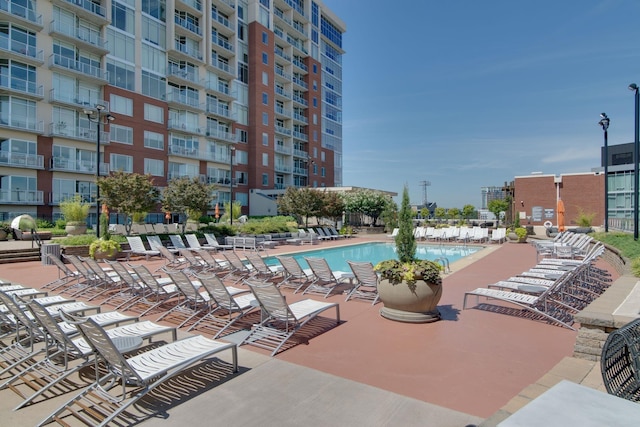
(372, 371)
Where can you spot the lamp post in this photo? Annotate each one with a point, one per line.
(231, 150)
(605, 125)
(636, 155)
(100, 117)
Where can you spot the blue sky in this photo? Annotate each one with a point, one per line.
(467, 93)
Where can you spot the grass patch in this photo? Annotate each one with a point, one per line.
(624, 242)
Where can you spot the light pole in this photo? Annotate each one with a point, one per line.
(231, 150)
(636, 150)
(100, 117)
(605, 125)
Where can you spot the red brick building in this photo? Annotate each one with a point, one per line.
(535, 197)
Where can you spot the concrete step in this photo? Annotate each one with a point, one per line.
(19, 255)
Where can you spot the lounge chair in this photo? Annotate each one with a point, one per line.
(194, 243)
(155, 243)
(281, 320)
(193, 301)
(325, 280)
(66, 276)
(213, 242)
(238, 270)
(146, 371)
(262, 270)
(295, 276)
(177, 242)
(137, 248)
(157, 291)
(394, 233)
(366, 282)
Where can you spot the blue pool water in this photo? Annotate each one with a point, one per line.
(376, 252)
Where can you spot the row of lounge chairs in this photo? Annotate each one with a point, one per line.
(457, 234)
(555, 289)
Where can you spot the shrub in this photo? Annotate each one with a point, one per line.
(61, 223)
(74, 209)
(585, 219)
(43, 223)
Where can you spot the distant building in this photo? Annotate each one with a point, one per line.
(491, 193)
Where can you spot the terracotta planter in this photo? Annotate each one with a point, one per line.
(412, 304)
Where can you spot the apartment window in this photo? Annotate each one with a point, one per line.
(265, 119)
(265, 37)
(323, 156)
(265, 78)
(155, 9)
(121, 45)
(265, 159)
(153, 85)
(153, 140)
(121, 134)
(120, 74)
(265, 58)
(154, 167)
(243, 73)
(315, 68)
(153, 31)
(153, 113)
(315, 136)
(121, 105)
(120, 162)
(241, 157)
(265, 179)
(154, 59)
(315, 119)
(243, 136)
(323, 172)
(123, 18)
(315, 85)
(315, 101)
(265, 139)
(18, 112)
(265, 98)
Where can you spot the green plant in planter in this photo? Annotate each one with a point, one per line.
(521, 232)
(106, 246)
(407, 268)
(6, 227)
(74, 209)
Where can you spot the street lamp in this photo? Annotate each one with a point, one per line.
(231, 150)
(605, 125)
(100, 117)
(636, 156)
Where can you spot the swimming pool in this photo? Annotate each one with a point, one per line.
(375, 252)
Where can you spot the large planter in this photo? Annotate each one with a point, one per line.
(410, 303)
(3, 235)
(76, 228)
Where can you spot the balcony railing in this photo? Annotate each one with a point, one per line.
(218, 87)
(21, 85)
(281, 72)
(282, 92)
(279, 167)
(89, 6)
(21, 160)
(295, 6)
(78, 66)
(195, 4)
(300, 100)
(182, 98)
(71, 165)
(221, 19)
(81, 101)
(189, 75)
(77, 132)
(216, 108)
(298, 63)
(282, 54)
(180, 125)
(56, 198)
(21, 197)
(283, 130)
(300, 82)
(300, 135)
(221, 65)
(184, 23)
(183, 151)
(20, 48)
(86, 35)
(21, 11)
(187, 50)
(222, 43)
(283, 112)
(300, 153)
(213, 132)
(283, 149)
(19, 121)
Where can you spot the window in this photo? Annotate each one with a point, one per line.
(153, 85)
(154, 167)
(153, 113)
(265, 119)
(121, 134)
(243, 73)
(315, 85)
(120, 162)
(323, 171)
(265, 139)
(265, 159)
(323, 156)
(121, 45)
(153, 140)
(265, 37)
(315, 68)
(265, 58)
(265, 78)
(120, 74)
(315, 101)
(122, 17)
(265, 98)
(18, 112)
(243, 136)
(315, 136)
(121, 105)
(154, 59)
(265, 179)
(155, 9)
(315, 119)
(153, 31)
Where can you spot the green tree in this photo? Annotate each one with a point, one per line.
(405, 240)
(301, 203)
(234, 208)
(128, 193)
(367, 202)
(496, 206)
(332, 205)
(188, 196)
(440, 213)
(390, 215)
(453, 213)
(468, 211)
(424, 213)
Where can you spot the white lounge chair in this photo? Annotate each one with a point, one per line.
(325, 280)
(366, 282)
(137, 247)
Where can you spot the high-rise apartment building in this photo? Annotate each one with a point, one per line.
(198, 88)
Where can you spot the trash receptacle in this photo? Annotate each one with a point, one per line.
(52, 249)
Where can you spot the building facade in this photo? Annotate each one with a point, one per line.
(243, 94)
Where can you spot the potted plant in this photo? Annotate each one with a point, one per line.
(5, 230)
(104, 248)
(521, 232)
(75, 212)
(409, 288)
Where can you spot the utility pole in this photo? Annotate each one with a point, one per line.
(424, 185)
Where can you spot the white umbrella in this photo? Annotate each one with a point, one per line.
(23, 222)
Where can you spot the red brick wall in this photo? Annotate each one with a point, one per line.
(580, 192)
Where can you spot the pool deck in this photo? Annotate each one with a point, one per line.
(470, 368)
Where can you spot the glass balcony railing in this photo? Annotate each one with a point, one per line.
(191, 26)
(21, 11)
(22, 160)
(86, 35)
(18, 197)
(20, 48)
(77, 66)
(20, 85)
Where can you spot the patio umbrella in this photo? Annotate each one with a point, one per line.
(560, 215)
(217, 211)
(23, 222)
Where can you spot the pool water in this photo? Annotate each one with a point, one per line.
(376, 252)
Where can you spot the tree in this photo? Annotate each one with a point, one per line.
(440, 213)
(496, 206)
(367, 203)
(332, 205)
(468, 211)
(405, 240)
(424, 213)
(128, 193)
(453, 213)
(390, 215)
(301, 202)
(235, 209)
(188, 196)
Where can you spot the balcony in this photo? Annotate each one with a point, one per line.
(283, 93)
(85, 38)
(281, 111)
(301, 171)
(186, 51)
(298, 63)
(221, 134)
(218, 109)
(283, 130)
(297, 44)
(229, 5)
(300, 117)
(60, 97)
(301, 136)
(221, 23)
(283, 149)
(184, 127)
(300, 82)
(87, 9)
(63, 164)
(56, 198)
(280, 167)
(21, 87)
(281, 53)
(177, 150)
(281, 73)
(221, 90)
(81, 69)
(178, 174)
(181, 98)
(19, 14)
(21, 51)
(300, 153)
(21, 160)
(20, 122)
(223, 43)
(196, 5)
(300, 100)
(21, 197)
(188, 25)
(91, 135)
(187, 76)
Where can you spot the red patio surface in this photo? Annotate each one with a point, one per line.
(471, 361)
